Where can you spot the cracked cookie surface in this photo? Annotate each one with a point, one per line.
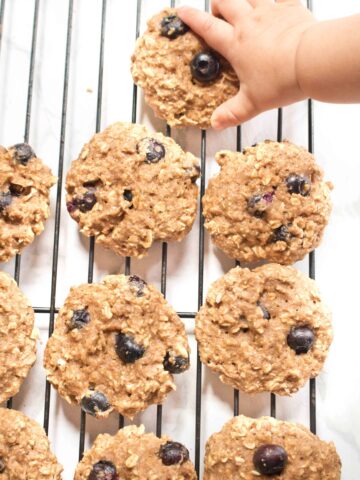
(130, 187)
(235, 451)
(269, 202)
(132, 454)
(25, 449)
(115, 347)
(264, 330)
(25, 184)
(17, 337)
(162, 64)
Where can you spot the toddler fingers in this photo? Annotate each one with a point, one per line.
(230, 10)
(216, 32)
(233, 112)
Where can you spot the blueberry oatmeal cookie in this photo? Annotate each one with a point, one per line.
(269, 202)
(182, 78)
(25, 449)
(264, 330)
(17, 337)
(25, 184)
(115, 346)
(265, 448)
(133, 454)
(130, 187)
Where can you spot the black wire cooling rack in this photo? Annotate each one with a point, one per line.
(52, 310)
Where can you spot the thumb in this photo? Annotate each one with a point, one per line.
(233, 112)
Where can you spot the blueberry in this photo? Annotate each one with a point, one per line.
(79, 319)
(103, 470)
(23, 153)
(172, 27)
(127, 349)
(128, 195)
(84, 203)
(205, 67)
(138, 283)
(258, 204)
(280, 234)
(18, 190)
(95, 402)
(5, 200)
(301, 339)
(270, 459)
(151, 150)
(265, 312)
(298, 184)
(2, 465)
(172, 453)
(176, 364)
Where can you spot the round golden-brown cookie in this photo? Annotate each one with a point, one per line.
(25, 449)
(115, 346)
(130, 187)
(264, 330)
(161, 65)
(246, 448)
(269, 202)
(25, 184)
(133, 454)
(17, 337)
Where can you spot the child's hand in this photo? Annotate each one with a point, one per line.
(260, 39)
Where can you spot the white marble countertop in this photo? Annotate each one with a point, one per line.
(337, 260)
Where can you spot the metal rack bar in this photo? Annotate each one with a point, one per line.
(2, 13)
(55, 256)
(91, 256)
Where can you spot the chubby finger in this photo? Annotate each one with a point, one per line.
(231, 10)
(216, 32)
(233, 112)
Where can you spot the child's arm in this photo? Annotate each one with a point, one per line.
(280, 53)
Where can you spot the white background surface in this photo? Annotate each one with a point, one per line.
(337, 260)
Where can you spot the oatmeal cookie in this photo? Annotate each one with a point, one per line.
(264, 330)
(115, 346)
(265, 448)
(130, 187)
(133, 454)
(25, 449)
(269, 202)
(17, 337)
(183, 80)
(25, 184)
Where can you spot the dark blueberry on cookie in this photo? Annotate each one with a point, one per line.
(103, 470)
(128, 195)
(172, 27)
(265, 312)
(127, 348)
(79, 319)
(176, 364)
(23, 153)
(18, 190)
(270, 459)
(298, 184)
(205, 67)
(138, 283)
(2, 465)
(151, 150)
(95, 402)
(258, 204)
(301, 339)
(280, 234)
(5, 200)
(172, 453)
(86, 202)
